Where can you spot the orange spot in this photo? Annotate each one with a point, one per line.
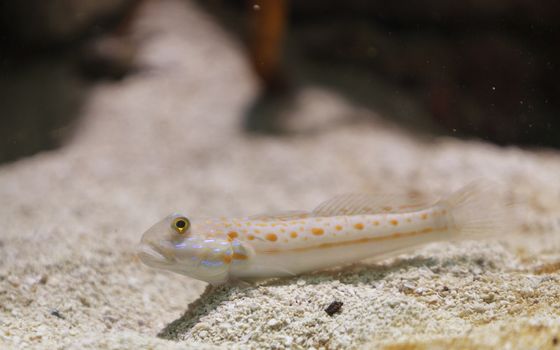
(232, 234)
(293, 234)
(250, 237)
(317, 231)
(376, 223)
(227, 259)
(387, 208)
(359, 226)
(238, 256)
(424, 216)
(394, 222)
(395, 235)
(272, 237)
(338, 227)
(257, 231)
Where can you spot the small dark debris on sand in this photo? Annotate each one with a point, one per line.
(334, 308)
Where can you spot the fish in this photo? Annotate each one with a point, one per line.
(342, 230)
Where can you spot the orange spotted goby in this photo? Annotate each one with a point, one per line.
(342, 230)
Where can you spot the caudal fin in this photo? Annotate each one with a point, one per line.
(479, 210)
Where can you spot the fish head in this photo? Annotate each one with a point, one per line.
(171, 244)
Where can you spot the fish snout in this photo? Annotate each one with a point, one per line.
(152, 255)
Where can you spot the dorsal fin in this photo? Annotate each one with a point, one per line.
(283, 215)
(357, 204)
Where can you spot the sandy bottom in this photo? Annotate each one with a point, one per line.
(169, 139)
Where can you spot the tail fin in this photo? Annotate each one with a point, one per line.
(479, 210)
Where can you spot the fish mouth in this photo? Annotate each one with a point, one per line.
(152, 255)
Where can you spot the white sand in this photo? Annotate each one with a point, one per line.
(169, 140)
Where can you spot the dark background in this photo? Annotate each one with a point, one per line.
(486, 69)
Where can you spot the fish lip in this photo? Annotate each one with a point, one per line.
(152, 255)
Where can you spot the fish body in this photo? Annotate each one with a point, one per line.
(342, 230)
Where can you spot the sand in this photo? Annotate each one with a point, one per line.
(169, 139)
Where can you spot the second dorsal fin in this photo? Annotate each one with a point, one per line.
(357, 204)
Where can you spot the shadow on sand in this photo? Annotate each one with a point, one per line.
(357, 274)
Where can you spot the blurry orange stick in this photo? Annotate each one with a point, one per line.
(268, 19)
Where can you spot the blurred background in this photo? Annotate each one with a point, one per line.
(483, 68)
(115, 113)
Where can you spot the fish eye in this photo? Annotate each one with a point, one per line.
(181, 224)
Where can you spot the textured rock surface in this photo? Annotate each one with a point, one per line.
(169, 140)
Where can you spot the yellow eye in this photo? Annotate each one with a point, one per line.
(181, 224)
